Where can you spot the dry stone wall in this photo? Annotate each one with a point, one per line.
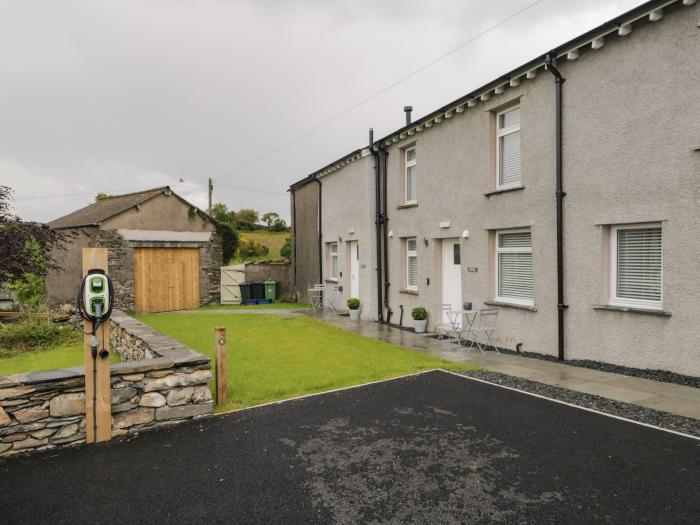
(160, 382)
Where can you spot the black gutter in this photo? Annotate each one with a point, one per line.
(294, 234)
(385, 230)
(377, 223)
(560, 194)
(320, 230)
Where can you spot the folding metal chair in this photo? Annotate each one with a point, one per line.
(484, 328)
(442, 329)
(329, 298)
(316, 297)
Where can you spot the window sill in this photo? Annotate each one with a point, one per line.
(332, 281)
(504, 190)
(408, 205)
(408, 292)
(631, 309)
(511, 305)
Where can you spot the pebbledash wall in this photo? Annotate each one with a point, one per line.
(159, 382)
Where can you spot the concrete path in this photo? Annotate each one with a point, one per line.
(270, 311)
(668, 397)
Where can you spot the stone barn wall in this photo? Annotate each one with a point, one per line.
(160, 382)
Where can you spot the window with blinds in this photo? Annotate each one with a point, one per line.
(514, 282)
(333, 255)
(508, 150)
(637, 265)
(410, 176)
(411, 264)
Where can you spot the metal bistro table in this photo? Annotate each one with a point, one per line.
(462, 322)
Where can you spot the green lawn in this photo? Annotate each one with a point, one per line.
(49, 359)
(277, 357)
(272, 306)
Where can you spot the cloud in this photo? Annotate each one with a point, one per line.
(121, 96)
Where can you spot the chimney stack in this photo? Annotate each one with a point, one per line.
(407, 110)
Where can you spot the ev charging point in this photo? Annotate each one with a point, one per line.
(95, 301)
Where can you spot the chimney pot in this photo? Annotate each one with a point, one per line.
(408, 110)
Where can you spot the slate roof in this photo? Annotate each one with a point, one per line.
(100, 211)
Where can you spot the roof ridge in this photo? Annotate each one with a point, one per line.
(160, 188)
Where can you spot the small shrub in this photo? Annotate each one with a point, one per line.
(30, 292)
(250, 249)
(33, 334)
(419, 313)
(286, 249)
(353, 303)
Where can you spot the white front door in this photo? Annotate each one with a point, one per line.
(354, 269)
(451, 275)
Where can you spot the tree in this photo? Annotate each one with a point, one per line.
(101, 196)
(247, 218)
(230, 240)
(280, 225)
(269, 218)
(26, 246)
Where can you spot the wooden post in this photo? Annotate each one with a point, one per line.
(220, 342)
(98, 408)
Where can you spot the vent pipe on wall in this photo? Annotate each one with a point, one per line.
(407, 110)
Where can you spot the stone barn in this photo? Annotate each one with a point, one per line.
(164, 252)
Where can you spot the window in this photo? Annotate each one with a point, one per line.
(514, 267)
(333, 257)
(411, 264)
(508, 148)
(410, 175)
(636, 265)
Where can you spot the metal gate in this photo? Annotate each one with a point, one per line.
(231, 278)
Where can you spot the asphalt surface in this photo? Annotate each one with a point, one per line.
(433, 448)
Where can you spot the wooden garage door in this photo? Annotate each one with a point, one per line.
(166, 279)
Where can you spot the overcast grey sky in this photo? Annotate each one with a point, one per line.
(120, 96)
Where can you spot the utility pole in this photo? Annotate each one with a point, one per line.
(211, 189)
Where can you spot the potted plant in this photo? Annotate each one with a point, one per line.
(420, 318)
(354, 308)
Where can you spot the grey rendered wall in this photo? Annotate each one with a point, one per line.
(348, 204)
(631, 112)
(455, 170)
(305, 265)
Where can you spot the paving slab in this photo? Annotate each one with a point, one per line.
(676, 399)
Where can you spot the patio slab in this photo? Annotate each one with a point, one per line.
(668, 397)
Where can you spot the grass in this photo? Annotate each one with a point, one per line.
(272, 306)
(47, 359)
(276, 357)
(273, 241)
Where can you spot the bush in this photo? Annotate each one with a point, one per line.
(30, 292)
(250, 249)
(230, 241)
(35, 333)
(419, 313)
(353, 303)
(286, 249)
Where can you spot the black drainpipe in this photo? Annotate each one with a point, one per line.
(385, 229)
(294, 235)
(377, 223)
(320, 230)
(561, 306)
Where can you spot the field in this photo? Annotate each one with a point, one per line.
(273, 241)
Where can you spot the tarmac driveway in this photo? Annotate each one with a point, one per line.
(432, 448)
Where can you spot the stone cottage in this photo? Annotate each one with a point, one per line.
(164, 252)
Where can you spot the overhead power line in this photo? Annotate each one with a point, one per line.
(381, 91)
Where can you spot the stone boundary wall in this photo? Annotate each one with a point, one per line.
(276, 271)
(161, 382)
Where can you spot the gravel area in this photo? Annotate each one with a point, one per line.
(608, 406)
(654, 375)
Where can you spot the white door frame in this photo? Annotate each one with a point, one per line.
(354, 253)
(451, 274)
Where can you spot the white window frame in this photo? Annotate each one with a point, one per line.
(409, 254)
(523, 302)
(625, 301)
(333, 255)
(502, 132)
(408, 164)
